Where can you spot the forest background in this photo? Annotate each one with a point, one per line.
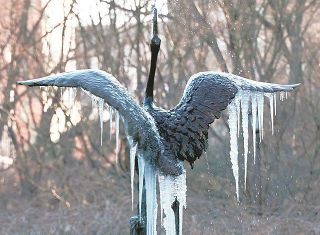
(55, 177)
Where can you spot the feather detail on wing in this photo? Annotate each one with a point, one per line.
(206, 95)
(139, 124)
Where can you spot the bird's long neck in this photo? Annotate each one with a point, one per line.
(155, 47)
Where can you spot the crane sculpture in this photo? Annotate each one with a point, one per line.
(161, 140)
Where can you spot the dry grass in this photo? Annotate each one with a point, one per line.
(99, 202)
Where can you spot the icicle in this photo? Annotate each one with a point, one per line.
(232, 108)
(281, 95)
(171, 189)
(275, 103)
(97, 101)
(166, 200)
(181, 197)
(133, 151)
(238, 109)
(286, 95)
(117, 134)
(141, 164)
(237, 102)
(162, 197)
(61, 92)
(254, 123)
(245, 109)
(151, 198)
(110, 113)
(260, 101)
(71, 92)
(101, 107)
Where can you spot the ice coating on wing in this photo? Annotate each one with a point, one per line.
(139, 124)
(150, 174)
(233, 124)
(172, 188)
(245, 98)
(107, 87)
(247, 84)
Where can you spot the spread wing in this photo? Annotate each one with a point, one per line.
(206, 95)
(139, 124)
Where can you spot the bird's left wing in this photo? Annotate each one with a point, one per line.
(206, 95)
(139, 124)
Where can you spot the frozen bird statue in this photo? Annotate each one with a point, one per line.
(163, 139)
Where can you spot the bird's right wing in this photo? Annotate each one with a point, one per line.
(139, 124)
(206, 95)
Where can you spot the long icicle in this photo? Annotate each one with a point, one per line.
(110, 113)
(101, 108)
(245, 109)
(254, 123)
(133, 151)
(182, 198)
(238, 103)
(232, 108)
(275, 103)
(117, 134)
(141, 164)
(166, 200)
(97, 101)
(151, 197)
(260, 100)
(271, 102)
(172, 188)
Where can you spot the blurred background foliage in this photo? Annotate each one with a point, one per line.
(55, 177)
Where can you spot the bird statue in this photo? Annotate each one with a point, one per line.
(164, 139)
